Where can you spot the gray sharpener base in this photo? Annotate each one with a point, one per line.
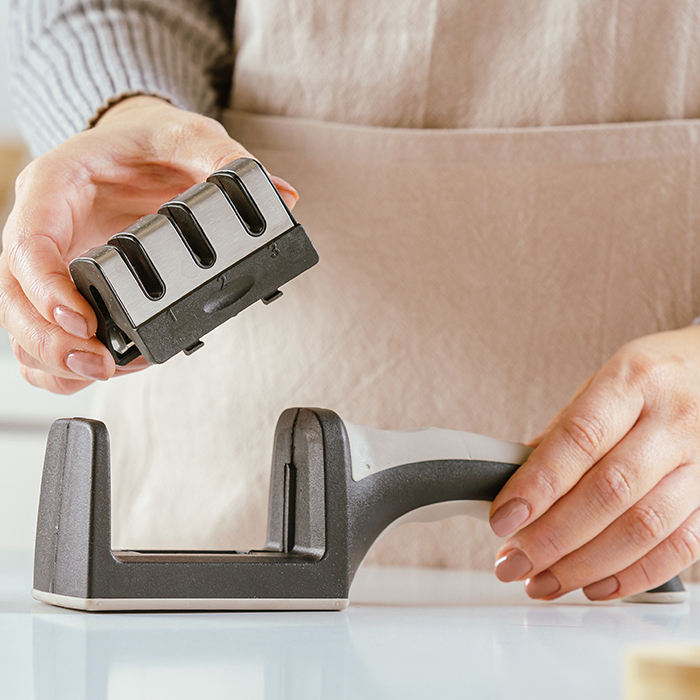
(321, 523)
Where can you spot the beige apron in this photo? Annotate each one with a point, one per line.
(470, 278)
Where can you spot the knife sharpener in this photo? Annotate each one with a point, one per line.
(335, 488)
(161, 284)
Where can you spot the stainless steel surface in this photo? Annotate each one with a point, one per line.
(119, 277)
(265, 194)
(171, 258)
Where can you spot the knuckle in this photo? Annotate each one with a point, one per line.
(645, 368)
(29, 375)
(18, 351)
(26, 176)
(646, 574)
(548, 483)
(686, 541)
(41, 288)
(640, 367)
(638, 361)
(612, 489)
(191, 127)
(15, 251)
(548, 545)
(647, 525)
(43, 344)
(586, 433)
(686, 412)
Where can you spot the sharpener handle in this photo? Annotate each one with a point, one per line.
(395, 476)
(373, 451)
(429, 456)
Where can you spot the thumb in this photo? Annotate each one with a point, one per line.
(232, 150)
(206, 146)
(189, 142)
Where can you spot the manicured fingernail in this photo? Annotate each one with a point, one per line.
(71, 322)
(287, 192)
(542, 585)
(509, 517)
(87, 364)
(512, 566)
(602, 589)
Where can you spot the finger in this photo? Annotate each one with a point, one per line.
(25, 359)
(231, 151)
(56, 385)
(639, 530)
(287, 192)
(537, 440)
(29, 362)
(661, 564)
(626, 474)
(137, 365)
(36, 238)
(202, 145)
(49, 344)
(588, 430)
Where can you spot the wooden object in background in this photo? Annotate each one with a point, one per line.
(663, 672)
(13, 156)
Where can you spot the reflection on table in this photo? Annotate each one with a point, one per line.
(406, 634)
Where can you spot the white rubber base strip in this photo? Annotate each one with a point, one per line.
(173, 604)
(670, 597)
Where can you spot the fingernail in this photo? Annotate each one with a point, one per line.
(71, 322)
(512, 566)
(509, 517)
(87, 364)
(542, 585)
(287, 192)
(602, 589)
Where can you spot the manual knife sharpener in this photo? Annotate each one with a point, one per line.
(161, 284)
(335, 488)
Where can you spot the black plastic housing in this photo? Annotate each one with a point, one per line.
(181, 326)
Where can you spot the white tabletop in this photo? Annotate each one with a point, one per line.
(406, 634)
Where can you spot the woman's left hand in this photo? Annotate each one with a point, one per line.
(609, 500)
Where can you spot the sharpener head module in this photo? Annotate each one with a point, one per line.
(160, 285)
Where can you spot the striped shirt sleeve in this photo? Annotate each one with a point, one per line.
(71, 59)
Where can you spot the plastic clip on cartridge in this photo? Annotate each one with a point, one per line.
(172, 277)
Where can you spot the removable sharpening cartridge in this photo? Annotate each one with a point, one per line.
(161, 284)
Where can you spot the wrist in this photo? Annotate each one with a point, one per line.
(118, 106)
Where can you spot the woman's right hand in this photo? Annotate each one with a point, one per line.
(142, 152)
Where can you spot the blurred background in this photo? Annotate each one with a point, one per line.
(25, 413)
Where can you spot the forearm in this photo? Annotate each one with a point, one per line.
(73, 58)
